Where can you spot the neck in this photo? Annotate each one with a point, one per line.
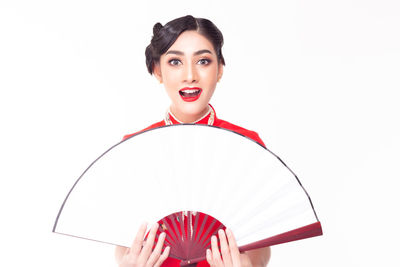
(189, 118)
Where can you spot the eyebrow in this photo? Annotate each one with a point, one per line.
(180, 53)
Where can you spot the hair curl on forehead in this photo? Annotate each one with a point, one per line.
(165, 36)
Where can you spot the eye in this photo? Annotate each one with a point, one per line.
(175, 62)
(204, 61)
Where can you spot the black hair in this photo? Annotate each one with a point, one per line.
(164, 37)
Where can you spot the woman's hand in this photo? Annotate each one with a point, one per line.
(140, 253)
(230, 255)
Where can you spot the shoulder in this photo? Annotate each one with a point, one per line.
(155, 125)
(240, 130)
(218, 123)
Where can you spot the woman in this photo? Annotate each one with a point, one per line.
(185, 55)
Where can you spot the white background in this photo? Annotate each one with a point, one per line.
(318, 80)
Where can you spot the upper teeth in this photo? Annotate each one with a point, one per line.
(189, 91)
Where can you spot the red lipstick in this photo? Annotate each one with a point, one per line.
(190, 94)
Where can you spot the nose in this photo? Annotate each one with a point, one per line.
(190, 74)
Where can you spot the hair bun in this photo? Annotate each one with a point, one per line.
(157, 27)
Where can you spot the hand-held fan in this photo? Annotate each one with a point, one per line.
(193, 180)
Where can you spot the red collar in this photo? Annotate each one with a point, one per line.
(202, 121)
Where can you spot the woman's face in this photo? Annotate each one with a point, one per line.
(189, 71)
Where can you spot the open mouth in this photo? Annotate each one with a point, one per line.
(190, 94)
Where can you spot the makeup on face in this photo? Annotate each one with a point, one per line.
(189, 71)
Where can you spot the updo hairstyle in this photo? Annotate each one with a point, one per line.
(165, 36)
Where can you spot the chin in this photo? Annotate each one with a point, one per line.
(194, 108)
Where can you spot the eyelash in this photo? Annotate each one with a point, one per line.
(173, 62)
(207, 61)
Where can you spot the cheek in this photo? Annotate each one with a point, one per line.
(170, 80)
(210, 78)
(171, 76)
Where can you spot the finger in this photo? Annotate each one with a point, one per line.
(138, 241)
(245, 261)
(163, 257)
(148, 246)
(216, 256)
(209, 257)
(120, 252)
(235, 253)
(157, 250)
(226, 255)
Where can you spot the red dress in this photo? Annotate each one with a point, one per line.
(217, 122)
(172, 262)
